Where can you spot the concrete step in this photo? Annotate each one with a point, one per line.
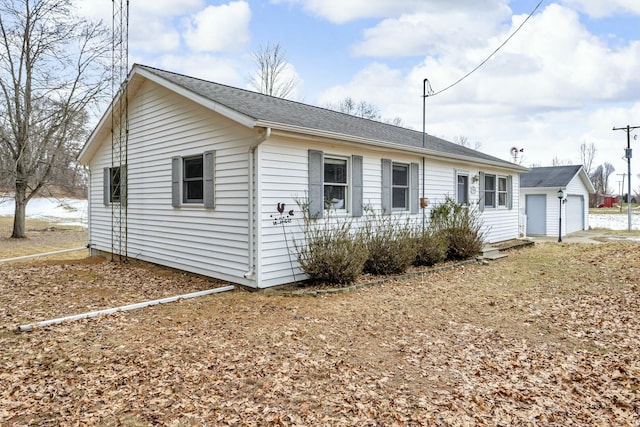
(491, 253)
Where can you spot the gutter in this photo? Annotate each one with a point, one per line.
(387, 145)
(252, 228)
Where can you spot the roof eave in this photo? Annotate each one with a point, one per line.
(384, 144)
(87, 151)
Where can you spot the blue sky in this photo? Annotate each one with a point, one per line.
(569, 76)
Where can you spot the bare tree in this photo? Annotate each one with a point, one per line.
(557, 162)
(271, 76)
(466, 142)
(587, 154)
(360, 108)
(363, 109)
(600, 178)
(52, 69)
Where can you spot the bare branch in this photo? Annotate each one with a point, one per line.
(52, 69)
(271, 77)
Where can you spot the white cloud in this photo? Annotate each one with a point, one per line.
(164, 7)
(540, 92)
(219, 28)
(151, 22)
(138, 9)
(430, 33)
(153, 35)
(604, 8)
(378, 84)
(339, 11)
(288, 74)
(203, 66)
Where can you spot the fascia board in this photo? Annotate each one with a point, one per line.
(284, 128)
(227, 112)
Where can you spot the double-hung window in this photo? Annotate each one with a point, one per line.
(490, 191)
(496, 191)
(503, 193)
(335, 182)
(462, 189)
(400, 187)
(192, 180)
(114, 184)
(115, 188)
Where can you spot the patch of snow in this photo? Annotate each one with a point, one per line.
(614, 221)
(62, 211)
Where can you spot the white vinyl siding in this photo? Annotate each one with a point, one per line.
(163, 125)
(215, 242)
(498, 224)
(575, 190)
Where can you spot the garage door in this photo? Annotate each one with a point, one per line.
(575, 213)
(536, 211)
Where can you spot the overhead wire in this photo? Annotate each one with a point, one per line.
(535, 9)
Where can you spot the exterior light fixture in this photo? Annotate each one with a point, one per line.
(561, 196)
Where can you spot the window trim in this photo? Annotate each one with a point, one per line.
(186, 180)
(457, 188)
(492, 190)
(505, 192)
(407, 187)
(347, 184)
(108, 185)
(496, 203)
(113, 171)
(178, 183)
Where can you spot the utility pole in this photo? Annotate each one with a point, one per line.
(627, 155)
(426, 91)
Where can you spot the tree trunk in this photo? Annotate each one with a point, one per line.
(19, 231)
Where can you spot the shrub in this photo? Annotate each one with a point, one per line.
(431, 248)
(332, 252)
(390, 242)
(461, 226)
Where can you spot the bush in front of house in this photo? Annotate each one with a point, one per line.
(431, 247)
(461, 226)
(333, 252)
(391, 243)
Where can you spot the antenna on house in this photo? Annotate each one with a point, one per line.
(119, 129)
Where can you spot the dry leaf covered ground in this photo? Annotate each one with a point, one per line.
(549, 335)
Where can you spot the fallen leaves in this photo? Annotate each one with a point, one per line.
(492, 345)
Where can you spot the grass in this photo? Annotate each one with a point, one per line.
(549, 335)
(42, 237)
(614, 210)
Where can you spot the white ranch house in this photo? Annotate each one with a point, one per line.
(209, 165)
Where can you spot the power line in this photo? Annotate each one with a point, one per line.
(492, 53)
(627, 155)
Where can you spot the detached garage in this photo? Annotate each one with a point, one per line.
(541, 206)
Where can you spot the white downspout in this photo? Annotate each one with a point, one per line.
(252, 229)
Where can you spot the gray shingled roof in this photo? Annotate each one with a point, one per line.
(282, 111)
(547, 177)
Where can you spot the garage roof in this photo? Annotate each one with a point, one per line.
(554, 177)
